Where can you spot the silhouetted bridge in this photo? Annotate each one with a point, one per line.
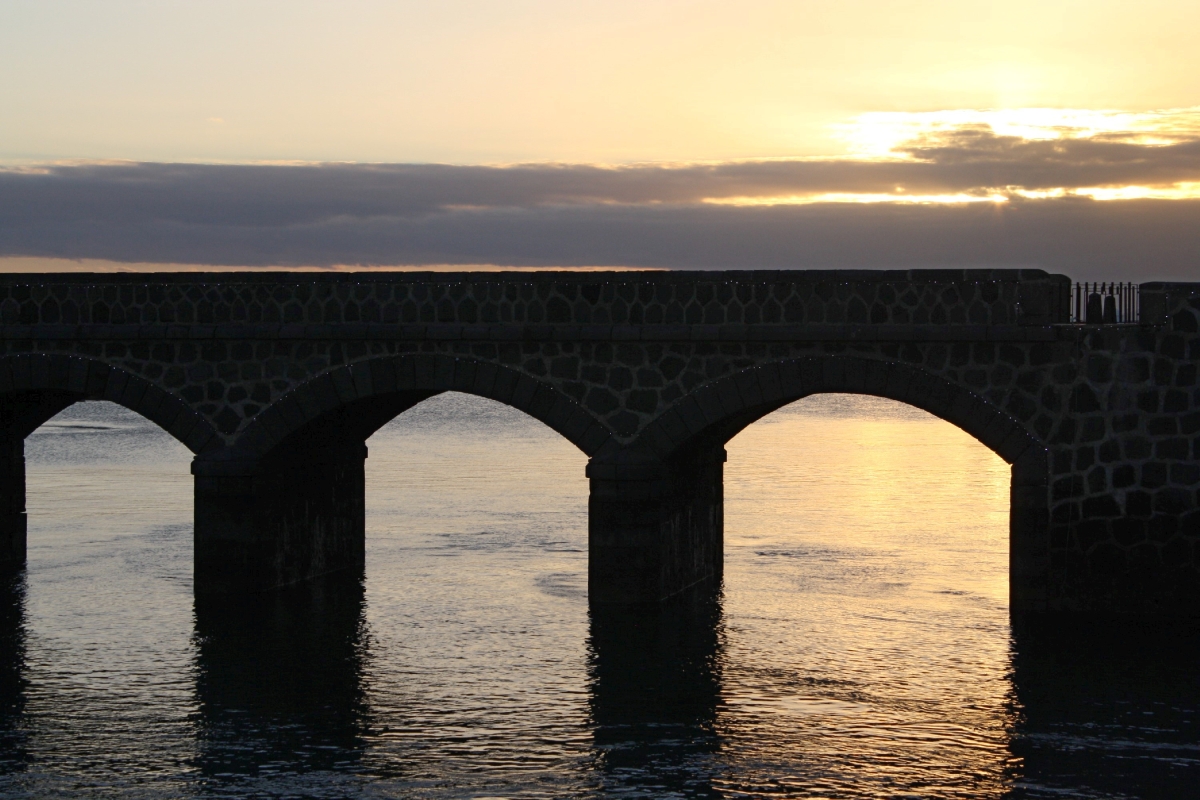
(275, 381)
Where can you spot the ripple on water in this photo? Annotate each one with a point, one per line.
(860, 648)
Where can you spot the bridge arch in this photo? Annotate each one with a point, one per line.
(285, 502)
(717, 411)
(36, 386)
(361, 397)
(659, 502)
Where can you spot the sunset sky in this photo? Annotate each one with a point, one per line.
(1059, 135)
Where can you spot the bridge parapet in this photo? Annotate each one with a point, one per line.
(908, 297)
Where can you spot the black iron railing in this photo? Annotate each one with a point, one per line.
(1104, 303)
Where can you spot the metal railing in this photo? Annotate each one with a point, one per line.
(1104, 303)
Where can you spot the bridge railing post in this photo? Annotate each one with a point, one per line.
(655, 528)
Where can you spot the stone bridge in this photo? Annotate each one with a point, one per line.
(276, 380)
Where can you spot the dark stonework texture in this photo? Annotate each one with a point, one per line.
(276, 380)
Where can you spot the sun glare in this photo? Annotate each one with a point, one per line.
(891, 137)
(1180, 191)
(880, 135)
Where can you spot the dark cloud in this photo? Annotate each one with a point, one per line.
(961, 160)
(650, 215)
(968, 158)
(1134, 240)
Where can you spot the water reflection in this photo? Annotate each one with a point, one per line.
(1106, 708)
(279, 682)
(861, 648)
(13, 752)
(655, 682)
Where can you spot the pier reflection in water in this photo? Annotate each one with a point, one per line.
(1110, 708)
(13, 753)
(279, 684)
(861, 646)
(655, 693)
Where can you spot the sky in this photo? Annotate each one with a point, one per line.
(660, 133)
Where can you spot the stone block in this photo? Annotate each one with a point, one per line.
(748, 388)
(464, 375)
(360, 377)
(523, 392)
(443, 374)
(293, 413)
(424, 367)
(320, 394)
(833, 374)
(541, 403)
(791, 379)
(132, 391)
(382, 378)
(717, 401)
(594, 438)
(691, 414)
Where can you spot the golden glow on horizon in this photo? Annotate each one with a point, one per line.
(1187, 190)
(850, 197)
(880, 135)
(890, 136)
(939, 139)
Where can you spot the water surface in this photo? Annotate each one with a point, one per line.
(860, 645)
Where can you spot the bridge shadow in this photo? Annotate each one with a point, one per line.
(1106, 708)
(279, 681)
(14, 755)
(655, 688)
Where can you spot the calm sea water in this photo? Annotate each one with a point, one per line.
(859, 647)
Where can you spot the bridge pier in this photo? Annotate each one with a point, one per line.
(21, 412)
(12, 504)
(295, 509)
(1029, 555)
(266, 524)
(654, 528)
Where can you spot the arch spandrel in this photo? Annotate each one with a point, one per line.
(374, 391)
(715, 412)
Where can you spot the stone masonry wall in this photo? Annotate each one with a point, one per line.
(1115, 409)
(981, 297)
(621, 344)
(1125, 455)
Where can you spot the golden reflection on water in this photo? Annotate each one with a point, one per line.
(861, 646)
(876, 475)
(866, 602)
